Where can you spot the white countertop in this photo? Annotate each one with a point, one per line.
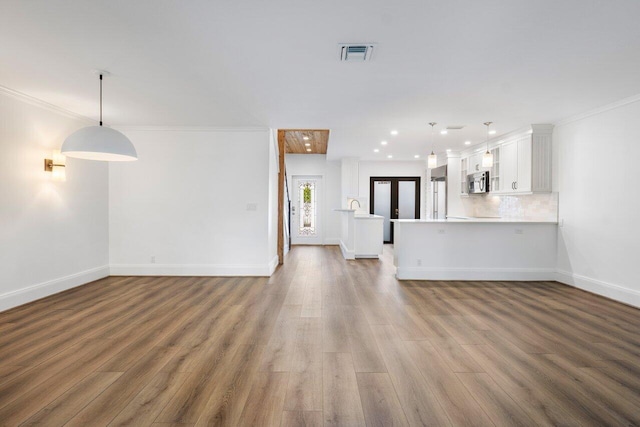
(459, 220)
(368, 216)
(360, 216)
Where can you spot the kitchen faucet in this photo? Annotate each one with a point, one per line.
(351, 204)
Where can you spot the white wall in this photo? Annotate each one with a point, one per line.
(367, 169)
(198, 201)
(317, 164)
(53, 235)
(595, 161)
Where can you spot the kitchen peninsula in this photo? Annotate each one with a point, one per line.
(361, 234)
(475, 249)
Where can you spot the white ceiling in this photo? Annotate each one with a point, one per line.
(275, 63)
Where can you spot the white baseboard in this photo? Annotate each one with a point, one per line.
(192, 269)
(609, 290)
(346, 253)
(330, 241)
(517, 274)
(22, 296)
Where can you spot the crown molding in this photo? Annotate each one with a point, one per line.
(43, 104)
(599, 110)
(192, 128)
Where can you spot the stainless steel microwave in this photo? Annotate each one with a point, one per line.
(478, 183)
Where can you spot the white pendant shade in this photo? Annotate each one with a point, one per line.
(99, 143)
(487, 160)
(432, 161)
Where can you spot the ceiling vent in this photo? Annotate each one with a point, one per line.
(455, 127)
(356, 52)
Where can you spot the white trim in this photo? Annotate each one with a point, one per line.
(331, 241)
(192, 128)
(43, 104)
(609, 290)
(273, 264)
(599, 110)
(511, 274)
(32, 293)
(262, 270)
(346, 253)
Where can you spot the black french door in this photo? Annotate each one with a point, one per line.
(394, 198)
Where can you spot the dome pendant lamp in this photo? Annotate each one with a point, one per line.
(487, 158)
(99, 143)
(432, 160)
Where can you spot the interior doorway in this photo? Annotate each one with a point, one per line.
(394, 198)
(306, 210)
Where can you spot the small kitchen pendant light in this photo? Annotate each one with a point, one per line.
(487, 158)
(99, 143)
(432, 160)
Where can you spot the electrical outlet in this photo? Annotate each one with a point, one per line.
(419, 262)
(153, 259)
(519, 231)
(252, 207)
(441, 231)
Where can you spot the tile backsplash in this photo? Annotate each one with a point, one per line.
(536, 207)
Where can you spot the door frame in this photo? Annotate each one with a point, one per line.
(394, 196)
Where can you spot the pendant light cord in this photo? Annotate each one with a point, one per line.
(432, 139)
(487, 124)
(100, 99)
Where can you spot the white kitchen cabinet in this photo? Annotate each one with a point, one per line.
(523, 181)
(515, 166)
(475, 162)
(494, 173)
(508, 167)
(522, 163)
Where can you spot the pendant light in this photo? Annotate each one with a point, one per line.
(487, 158)
(432, 161)
(99, 143)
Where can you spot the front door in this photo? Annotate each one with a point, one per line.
(394, 198)
(306, 220)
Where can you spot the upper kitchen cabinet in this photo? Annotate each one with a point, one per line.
(525, 162)
(516, 166)
(521, 162)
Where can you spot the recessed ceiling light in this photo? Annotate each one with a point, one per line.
(417, 156)
(306, 138)
(492, 132)
(467, 143)
(375, 150)
(443, 132)
(389, 156)
(394, 132)
(307, 145)
(308, 149)
(383, 142)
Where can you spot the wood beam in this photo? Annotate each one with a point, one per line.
(281, 172)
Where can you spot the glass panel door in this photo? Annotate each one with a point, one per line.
(382, 205)
(406, 200)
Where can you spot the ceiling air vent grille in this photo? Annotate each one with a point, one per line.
(356, 52)
(455, 127)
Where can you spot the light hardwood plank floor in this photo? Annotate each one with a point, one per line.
(324, 341)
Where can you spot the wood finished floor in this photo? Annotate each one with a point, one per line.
(323, 341)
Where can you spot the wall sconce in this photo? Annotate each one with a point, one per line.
(56, 165)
